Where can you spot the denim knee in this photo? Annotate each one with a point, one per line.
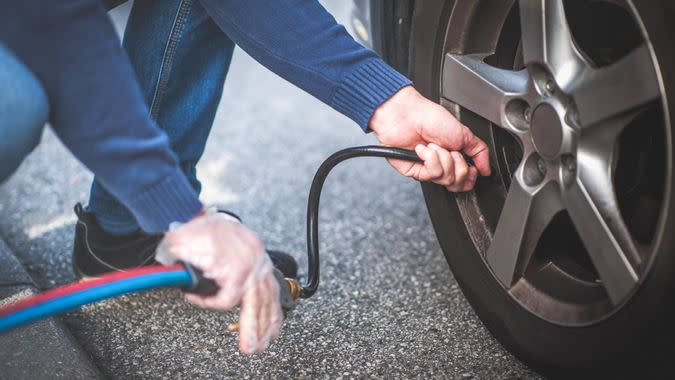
(24, 110)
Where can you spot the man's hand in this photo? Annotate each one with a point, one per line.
(235, 258)
(409, 120)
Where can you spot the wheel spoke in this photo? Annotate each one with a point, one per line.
(522, 221)
(547, 39)
(609, 91)
(479, 87)
(593, 208)
(598, 142)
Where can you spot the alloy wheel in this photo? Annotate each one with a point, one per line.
(568, 115)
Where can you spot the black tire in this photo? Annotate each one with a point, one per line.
(635, 340)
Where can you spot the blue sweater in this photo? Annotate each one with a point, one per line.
(96, 107)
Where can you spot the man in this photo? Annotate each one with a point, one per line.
(141, 188)
(181, 50)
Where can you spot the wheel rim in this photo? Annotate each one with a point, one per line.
(568, 115)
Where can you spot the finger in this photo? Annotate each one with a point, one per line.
(448, 164)
(406, 168)
(232, 288)
(482, 162)
(263, 320)
(264, 317)
(461, 172)
(226, 298)
(471, 179)
(196, 299)
(431, 169)
(478, 150)
(277, 321)
(206, 302)
(248, 321)
(216, 302)
(269, 329)
(275, 313)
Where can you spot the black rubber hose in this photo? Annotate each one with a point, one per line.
(310, 287)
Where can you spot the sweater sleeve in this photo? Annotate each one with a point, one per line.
(300, 41)
(96, 107)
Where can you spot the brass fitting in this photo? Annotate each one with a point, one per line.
(295, 287)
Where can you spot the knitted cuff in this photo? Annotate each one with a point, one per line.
(364, 89)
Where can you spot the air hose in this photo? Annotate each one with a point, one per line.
(184, 276)
(69, 297)
(312, 284)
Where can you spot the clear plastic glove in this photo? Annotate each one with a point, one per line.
(235, 258)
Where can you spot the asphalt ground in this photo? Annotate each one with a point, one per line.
(387, 306)
(37, 351)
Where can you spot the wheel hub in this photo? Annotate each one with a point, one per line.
(547, 131)
(544, 119)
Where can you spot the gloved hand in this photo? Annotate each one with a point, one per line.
(235, 258)
(409, 120)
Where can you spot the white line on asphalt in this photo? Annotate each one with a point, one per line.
(40, 229)
(211, 171)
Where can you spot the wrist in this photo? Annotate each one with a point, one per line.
(174, 225)
(394, 110)
(199, 214)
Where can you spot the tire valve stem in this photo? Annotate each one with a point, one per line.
(290, 292)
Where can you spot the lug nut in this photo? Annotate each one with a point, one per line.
(569, 163)
(550, 86)
(527, 114)
(571, 118)
(534, 171)
(572, 166)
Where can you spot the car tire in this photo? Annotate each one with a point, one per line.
(636, 338)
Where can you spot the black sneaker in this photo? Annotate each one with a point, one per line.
(96, 252)
(285, 263)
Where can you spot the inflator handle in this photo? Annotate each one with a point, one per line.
(200, 284)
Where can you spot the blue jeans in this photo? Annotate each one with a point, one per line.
(181, 59)
(23, 112)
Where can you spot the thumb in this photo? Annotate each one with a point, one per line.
(431, 168)
(478, 150)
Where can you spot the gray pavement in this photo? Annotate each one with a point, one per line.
(387, 307)
(42, 350)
